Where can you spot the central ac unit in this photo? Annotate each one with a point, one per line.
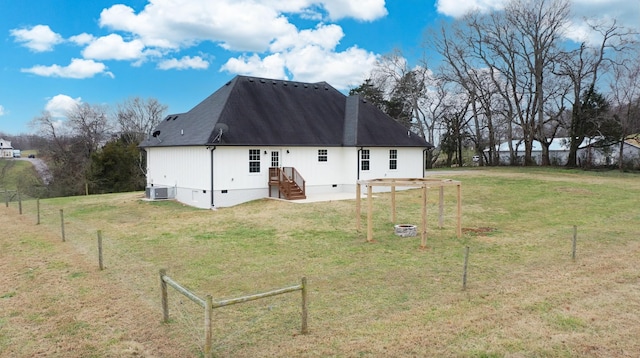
(154, 193)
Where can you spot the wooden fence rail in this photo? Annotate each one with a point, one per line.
(208, 304)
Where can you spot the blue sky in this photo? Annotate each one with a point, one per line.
(56, 53)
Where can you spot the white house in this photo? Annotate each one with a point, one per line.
(255, 138)
(6, 150)
(558, 151)
(598, 155)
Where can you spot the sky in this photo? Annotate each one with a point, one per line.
(58, 53)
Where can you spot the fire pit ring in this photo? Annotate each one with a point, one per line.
(405, 230)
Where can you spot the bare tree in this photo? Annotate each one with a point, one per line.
(436, 105)
(72, 142)
(49, 128)
(456, 121)
(59, 153)
(514, 49)
(90, 126)
(540, 24)
(458, 70)
(583, 66)
(136, 118)
(405, 88)
(625, 95)
(467, 64)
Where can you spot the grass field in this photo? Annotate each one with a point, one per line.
(525, 296)
(14, 172)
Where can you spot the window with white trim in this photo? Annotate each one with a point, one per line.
(254, 160)
(323, 155)
(364, 159)
(393, 159)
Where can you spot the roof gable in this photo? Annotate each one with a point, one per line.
(5, 144)
(376, 129)
(265, 112)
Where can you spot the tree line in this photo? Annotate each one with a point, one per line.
(512, 76)
(94, 149)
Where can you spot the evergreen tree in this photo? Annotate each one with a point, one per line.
(115, 168)
(370, 92)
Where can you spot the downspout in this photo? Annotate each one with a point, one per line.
(358, 163)
(424, 162)
(212, 201)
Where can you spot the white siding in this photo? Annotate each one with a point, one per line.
(188, 170)
(317, 173)
(410, 164)
(185, 168)
(232, 182)
(232, 169)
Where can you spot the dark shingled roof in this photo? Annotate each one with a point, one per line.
(264, 112)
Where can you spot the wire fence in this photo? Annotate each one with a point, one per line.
(138, 274)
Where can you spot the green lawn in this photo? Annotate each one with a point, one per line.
(524, 297)
(17, 173)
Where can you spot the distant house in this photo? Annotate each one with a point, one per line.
(558, 151)
(598, 155)
(6, 150)
(255, 138)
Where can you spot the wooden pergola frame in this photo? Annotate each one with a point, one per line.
(424, 183)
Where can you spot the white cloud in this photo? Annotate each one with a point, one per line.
(82, 39)
(363, 10)
(340, 69)
(78, 68)
(308, 64)
(243, 26)
(366, 10)
(578, 32)
(113, 47)
(261, 29)
(2, 110)
(38, 38)
(272, 66)
(184, 63)
(59, 105)
(458, 8)
(624, 12)
(235, 25)
(324, 36)
(605, 12)
(310, 56)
